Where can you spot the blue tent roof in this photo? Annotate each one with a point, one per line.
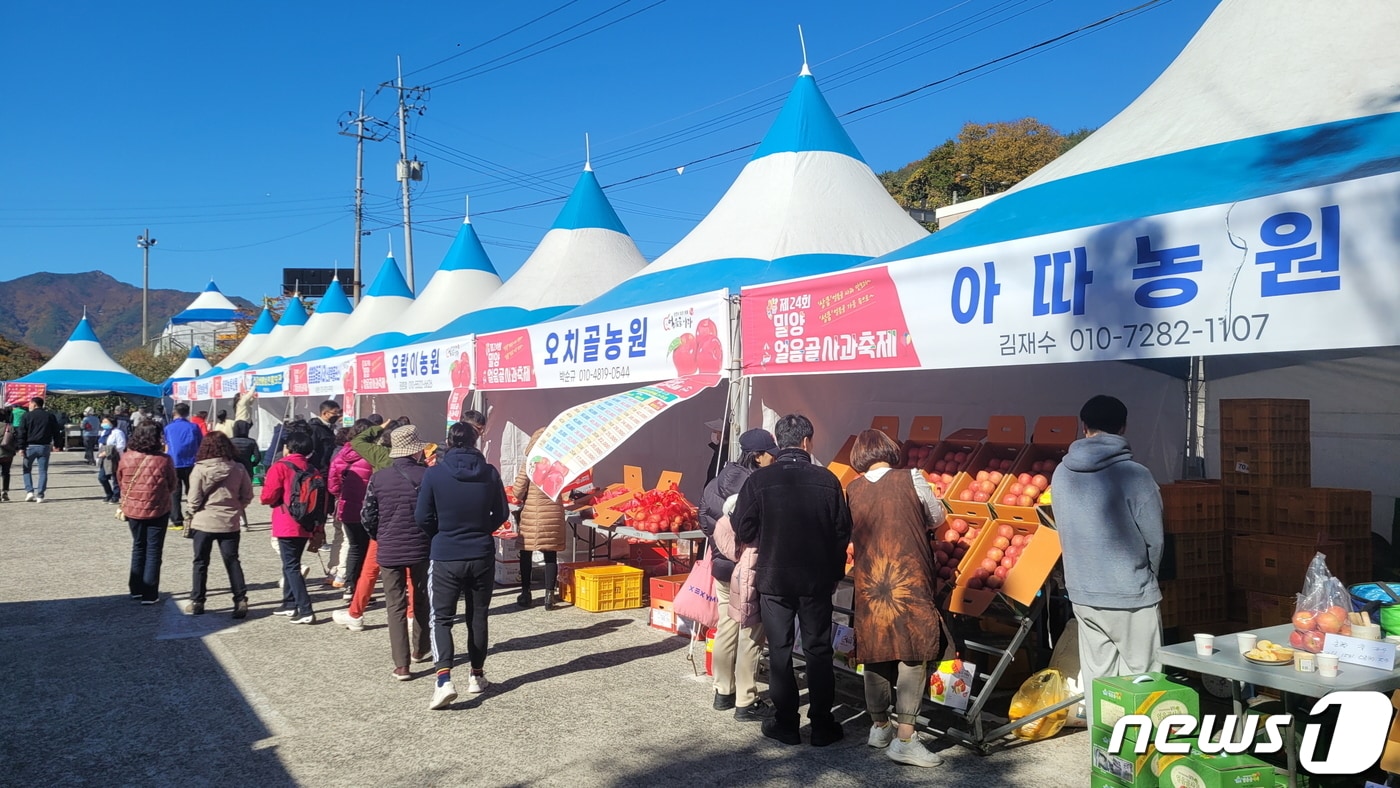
(294, 314)
(195, 352)
(82, 366)
(1211, 175)
(212, 288)
(587, 207)
(264, 324)
(334, 301)
(467, 253)
(83, 332)
(806, 123)
(390, 281)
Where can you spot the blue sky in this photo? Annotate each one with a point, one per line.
(216, 125)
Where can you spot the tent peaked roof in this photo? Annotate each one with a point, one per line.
(466, 252)
(81, 366)
(806, 204)
(806, 123)
(1221, 124)
(322, 328)
(586, 252)
(210, 306)
(293, 315)
(194, 365)
(588, 207)
(334, 301)
(264, 323)
(251, 343)
(390, 281)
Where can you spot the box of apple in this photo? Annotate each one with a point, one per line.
(952, 542)
(951, 462)
(917, 455)
(999, 552)
(662, 511)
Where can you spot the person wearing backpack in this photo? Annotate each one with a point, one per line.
(404, 548)
(296, 492)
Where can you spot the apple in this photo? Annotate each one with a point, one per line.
(1018, 540)
(981, 497)
(981, 574)
(1024, 500)
(940, 466)
(1024, 478)
(1009, 499)
(1006, 562)
(993, 582)
(996, 477)
(1040, 481)
(960, 551)
(1296, 639)
(1013, 551)
(1327, 621)
(1313, 641)
(958, 525)
(974, 583)
(1305, 620)
(1001, 542)
(946, 572)
(1002, 572)
(1006, 530)
(989, 564)
(995, 554)
(1016, 488)
(950, 535)
(983, 476)
(1338, 611)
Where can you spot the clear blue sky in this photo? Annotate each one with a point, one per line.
(215, 125)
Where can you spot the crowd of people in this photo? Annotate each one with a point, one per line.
(423, 516)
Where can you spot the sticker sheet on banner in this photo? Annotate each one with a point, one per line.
(1304, 270)
(675, 338)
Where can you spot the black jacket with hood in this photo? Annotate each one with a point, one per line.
(796, 513)
(729, 481)
(461, 503)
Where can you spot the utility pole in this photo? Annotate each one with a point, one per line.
(408, 170)
(375, 135)
(145, 242)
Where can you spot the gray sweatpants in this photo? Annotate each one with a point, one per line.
(1116, 643)
(910, 682)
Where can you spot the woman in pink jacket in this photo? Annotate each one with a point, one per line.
(291, 536)
(347, 481)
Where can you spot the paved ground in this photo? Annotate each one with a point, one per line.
(98, 690)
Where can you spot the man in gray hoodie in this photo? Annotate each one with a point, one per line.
(1108, 511)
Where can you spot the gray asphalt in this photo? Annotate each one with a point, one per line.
(99, 690)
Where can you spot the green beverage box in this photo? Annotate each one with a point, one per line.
(1123, 768)
(1199, 770)
(1151, 694)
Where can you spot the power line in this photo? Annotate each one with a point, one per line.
(258, 243)
(492, 40)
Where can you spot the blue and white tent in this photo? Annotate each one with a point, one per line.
(251, 345)
(322, 328)
(81, 366)
(464, 282)
(294, 319)
(194, 365)
(385, 304)
(585, 252)
(807, 203)
(201, 323)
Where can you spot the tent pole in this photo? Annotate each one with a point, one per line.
(739, 392)
(1194, 464)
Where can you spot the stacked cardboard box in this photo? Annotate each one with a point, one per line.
(1109, 700)
(1193, 569)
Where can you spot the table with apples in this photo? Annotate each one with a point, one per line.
(1227, 662)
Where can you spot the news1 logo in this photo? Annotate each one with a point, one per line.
(1358, 737)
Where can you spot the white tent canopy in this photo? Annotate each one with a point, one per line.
(251, 345)
(322, 328)
(385, 304)
(201, 323)
(81, 366)
(464, 282)
(294, 319)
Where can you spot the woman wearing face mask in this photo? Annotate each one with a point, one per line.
(111, 442)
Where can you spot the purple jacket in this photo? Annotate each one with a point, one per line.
(347, 481)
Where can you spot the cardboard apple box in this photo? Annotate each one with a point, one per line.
(1050, 441)
(1022, 583)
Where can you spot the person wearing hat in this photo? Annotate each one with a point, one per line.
(91, 432)
(404, 548)
(738, 640)
(719, 446)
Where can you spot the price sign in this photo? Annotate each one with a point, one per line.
(1356, 651)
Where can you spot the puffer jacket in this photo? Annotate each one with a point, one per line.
(277, 492)
(542, 523)
(730, 479)
(743, 593)
(366, 444)
(395, 491)
(461, 503)
(219, 491)
(347, 480)
(147, 481)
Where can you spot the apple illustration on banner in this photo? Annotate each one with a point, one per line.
(548, 476)
(700, 352)
(461, 372)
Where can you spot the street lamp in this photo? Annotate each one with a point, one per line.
(145, 242)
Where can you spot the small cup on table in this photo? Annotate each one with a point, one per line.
(1247, 641)
(1327, 665)
(1205, 645)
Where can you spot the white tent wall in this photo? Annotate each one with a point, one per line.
(1355, 421)
(842, 405)
(676, 440)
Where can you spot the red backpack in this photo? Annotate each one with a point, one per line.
(309, 497)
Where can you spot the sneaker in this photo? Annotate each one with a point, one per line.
(39, 499)
(822, 735)
(284, 611)
(477, 684)
(150, 601)
(352, 623)
(29, 497)
(305, 571)
(525, 600)
(173, 526)
(338, 582)
(443, 696)
(912, 752)
(757, 711)
(4, 496)
(401, 674)
(724, 702)
(135, 597)
(240, 609)
(779, 733)
(192, 608)
(880, 738)
(309, 618)
(348, 595)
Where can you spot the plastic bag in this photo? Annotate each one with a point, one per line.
(1040, 691)
(1321, 609)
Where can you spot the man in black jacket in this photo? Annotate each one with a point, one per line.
(38, 430)
(796, 513)
(323, 434)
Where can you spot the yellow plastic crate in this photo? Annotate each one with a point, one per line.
(603, 588)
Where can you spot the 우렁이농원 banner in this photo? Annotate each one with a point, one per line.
(1309, 269)
(684, 336)
(581, 436)
(430, 366)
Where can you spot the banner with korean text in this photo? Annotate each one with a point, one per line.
(684, 336)
(1311, 269)
(581, 436)
(23, 393)
(428, 366)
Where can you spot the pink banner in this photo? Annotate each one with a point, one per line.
(298, 384)
(504, 360)
(371, 374)
(844, 322)
(22, 393)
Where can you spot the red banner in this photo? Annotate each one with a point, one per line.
(22, 393)
(371, 374)
(505, 361)
(216, 386)
(298, 384)
(838, 323)
(192, 391)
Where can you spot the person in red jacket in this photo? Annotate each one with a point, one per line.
(291, 536)
(146, 477)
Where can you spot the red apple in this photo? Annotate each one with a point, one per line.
(1006, 530)
(1296, 639)
(1007, 562)
(994, 554)
(950, 535)
(1327, 621)
(993, 582)
(1024, 478)
(1040, 481)
(1018, 540)
(1009, 499)
(983, 476)
(989, 564)
(1001, 572)
(1305, 620)
(1024, 500)
(958, 525)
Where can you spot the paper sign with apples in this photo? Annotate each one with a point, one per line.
(677, 338)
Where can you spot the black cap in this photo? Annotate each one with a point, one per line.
(758, 440)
